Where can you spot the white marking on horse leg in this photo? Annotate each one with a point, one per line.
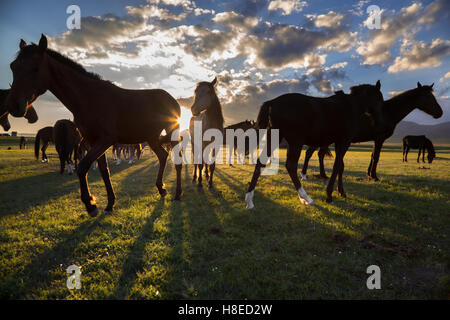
(69, 169)
(118, 161)
(304, 198)
(249, 199)
(304, 177)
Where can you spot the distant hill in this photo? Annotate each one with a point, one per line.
(438, 133)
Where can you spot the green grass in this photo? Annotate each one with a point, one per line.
(208, 246)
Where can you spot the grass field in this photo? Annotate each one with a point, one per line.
(208, 246)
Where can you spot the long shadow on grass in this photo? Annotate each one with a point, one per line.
(21, 194)
(135, 260)
(40, 272)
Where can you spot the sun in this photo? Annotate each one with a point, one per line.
(185, 118)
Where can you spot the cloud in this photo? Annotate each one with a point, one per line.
(377, 50)
(232, 19)
(329, 20)
(287, 6)
(445, 76)
(419, 55)
(281, 46)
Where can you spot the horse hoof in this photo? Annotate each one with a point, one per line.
(200, 186)
(93, 213)
(108, 212)
(194, 181)
(329, 200)
(304, 177)
(323, 176)
(342, 194)
(249, 200)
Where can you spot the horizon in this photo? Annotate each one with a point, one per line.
(257, 49)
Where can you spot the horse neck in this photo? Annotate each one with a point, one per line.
(70, 86)
(214, 116)
(398, 107)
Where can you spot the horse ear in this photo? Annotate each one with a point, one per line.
(432, 85)
(43, 43)
(378, 84)
(22, 44)
(214, 82)
(419, 85)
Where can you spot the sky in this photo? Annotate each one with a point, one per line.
(258, 49)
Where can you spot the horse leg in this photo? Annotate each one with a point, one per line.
(162, 154)
(423, 155)
(93, 154)
(251, 188)
(336, 168)
(308, 156)
(104, 171)
(406, 154)
(293, 154)
(321, 155)
(44, 147)
(194, 176)
(376, 156)
(418, 155)
(341, 171)
(62, 161)
(200, 170)
(212, 167)
(207, 175)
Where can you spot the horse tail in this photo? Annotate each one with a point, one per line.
(37, 143)
(167, 139)
(326, 152)
(263, 120)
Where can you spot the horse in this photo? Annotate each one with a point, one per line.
(67, 139)
(30, 115)
(421, 143)
(305, 120)
(207, 109)
(104, 113)
(46, 136)
(130, 152)
(393, 111)
(23, 143)
(244, 126)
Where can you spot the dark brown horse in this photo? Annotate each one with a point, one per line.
(104, 113)
(207, 110)
(67, 139)
(304, 120)
(46, 136)
(418, 142)
(23, 143)
(244, 126)
(393, 111)
(30, 115)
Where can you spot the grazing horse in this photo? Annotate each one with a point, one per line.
(393, 111)
(104, 113)
(207, 109)
(23, 143)
(304, 120)
(46, 135)
(30, 115)
(421, 143)
(67, 138)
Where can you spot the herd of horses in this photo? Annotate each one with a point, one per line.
(106, 115)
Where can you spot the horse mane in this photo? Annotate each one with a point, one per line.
(31, 49)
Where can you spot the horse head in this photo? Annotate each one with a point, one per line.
(204, 96)
(426, 101)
